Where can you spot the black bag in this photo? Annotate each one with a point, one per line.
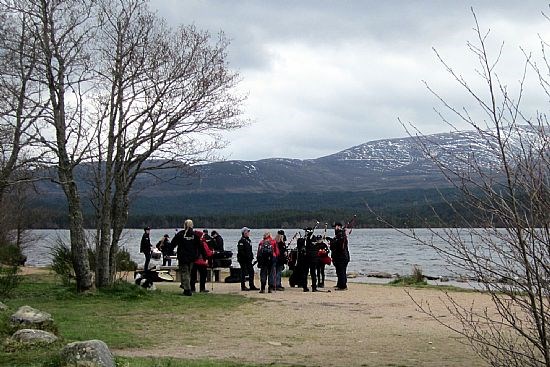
(222, 255)
(265, 255)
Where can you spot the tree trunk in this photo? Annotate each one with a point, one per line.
(103, 276)
(119, 218)
(79, 249)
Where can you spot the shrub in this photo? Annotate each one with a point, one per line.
(62, 262)
(124, 262)
(9, 280)
(11, 255)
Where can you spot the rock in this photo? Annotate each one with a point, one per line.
(379, 274)
(27, 317)
(3, 307)
(352, 275)
(90, 353)
(32, 336)
(431, 277)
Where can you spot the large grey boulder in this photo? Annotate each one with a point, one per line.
(32, 336)
(90, 353)
(27, 317)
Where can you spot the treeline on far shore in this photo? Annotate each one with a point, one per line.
(403, 208)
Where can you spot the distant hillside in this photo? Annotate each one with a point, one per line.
(391, 173)
(377, 165)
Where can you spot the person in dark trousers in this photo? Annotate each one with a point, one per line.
(165, 247)
(324, 259)
(340, 255)
(280, 238)
(299, 268)
(200, 265)
(145, 247)
(268, 266)
(310, 261)
(245, 257)
(218, 245)
(188, 243)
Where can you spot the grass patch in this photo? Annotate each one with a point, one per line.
(415, 279)
(124, 316)
(408, 281)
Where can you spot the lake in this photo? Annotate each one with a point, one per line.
(371, 250)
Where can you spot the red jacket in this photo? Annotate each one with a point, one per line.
(204, 252)
(273, 244)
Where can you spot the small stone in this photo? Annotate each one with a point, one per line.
(3, 307)
(32, 336)
(27, 317)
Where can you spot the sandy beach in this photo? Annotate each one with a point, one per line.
(367, 325)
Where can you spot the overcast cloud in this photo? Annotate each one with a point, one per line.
(323, 76)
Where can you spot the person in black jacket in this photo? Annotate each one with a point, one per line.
(311, 260)
(218, 245)
(145, 247)
(245, 257)
(281, 259)
(166, 249)
(340, 255)
(188, 244)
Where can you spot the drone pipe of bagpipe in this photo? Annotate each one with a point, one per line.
(294, 237)
(350, 223)
(315, 227)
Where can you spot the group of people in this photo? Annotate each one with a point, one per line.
(193, 249)
(310, 257)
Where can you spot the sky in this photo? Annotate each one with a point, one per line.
(323, 76)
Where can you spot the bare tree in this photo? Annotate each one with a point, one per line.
(161, 92)
(21, 107)
(59, 36)
(505, 244)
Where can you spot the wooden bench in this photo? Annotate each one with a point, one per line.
(177, 278)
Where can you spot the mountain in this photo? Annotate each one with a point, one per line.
(376, 165)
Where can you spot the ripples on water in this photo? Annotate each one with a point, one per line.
(371, 250)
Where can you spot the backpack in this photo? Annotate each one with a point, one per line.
(265, 255)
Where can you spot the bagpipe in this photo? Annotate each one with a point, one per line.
(323, 252)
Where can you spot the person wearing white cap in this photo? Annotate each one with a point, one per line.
(245, 257)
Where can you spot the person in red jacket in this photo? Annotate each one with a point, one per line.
(200, 265)
(267, 254)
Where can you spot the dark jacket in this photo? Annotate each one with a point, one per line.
(145, 246)
(244, 250)
(166, 247)
(188, 245)
(311, 248)
(339, 247)
(282, 258)
(218, 245)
